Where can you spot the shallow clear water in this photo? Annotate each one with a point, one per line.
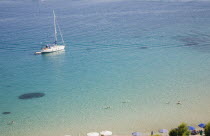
(143, 53)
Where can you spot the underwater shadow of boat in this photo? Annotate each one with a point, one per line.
(31, 95)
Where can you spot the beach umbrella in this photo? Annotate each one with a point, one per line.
(202, 125)
(163, 131)
(93, 134)
(106, 133)
(136, 134)
(191, 128)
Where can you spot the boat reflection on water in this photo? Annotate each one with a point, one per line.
(57, 57)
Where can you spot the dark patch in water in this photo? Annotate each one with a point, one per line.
(190, 41)
(5, 113)
(143, 47)
(136, 36)
(195, 39)
(90, 49)
(191, 44)
(8, 86)
(31, 95)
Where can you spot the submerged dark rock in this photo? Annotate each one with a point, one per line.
(31, 95)
(6, 113)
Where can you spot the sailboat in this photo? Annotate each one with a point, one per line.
(54, 47)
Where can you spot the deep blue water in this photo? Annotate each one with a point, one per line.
(131, 56)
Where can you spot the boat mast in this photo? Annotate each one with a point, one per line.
(55, 28)
(60, 33)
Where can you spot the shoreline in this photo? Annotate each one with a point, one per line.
(145, 133)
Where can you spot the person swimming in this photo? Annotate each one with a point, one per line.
(178, 102)
(107, 107)
(11, 122)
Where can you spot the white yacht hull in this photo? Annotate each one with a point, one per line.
(53, 48)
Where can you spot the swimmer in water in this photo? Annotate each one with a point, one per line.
(107, 107)
(178, 102)
(10, 123)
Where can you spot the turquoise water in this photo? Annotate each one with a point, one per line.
(142, 53)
